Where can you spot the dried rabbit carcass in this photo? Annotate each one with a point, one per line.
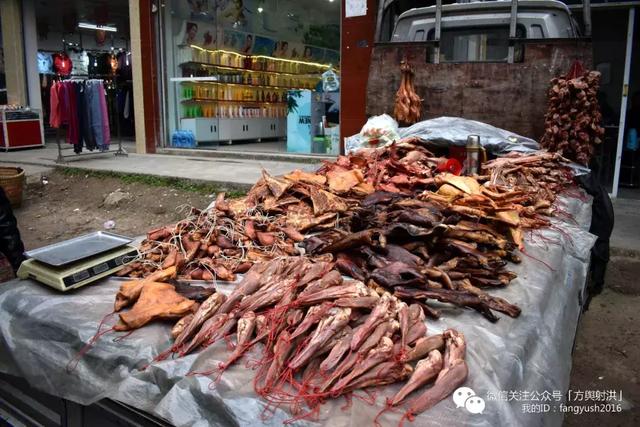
(218, 243)
(408, 106)
(314, 346)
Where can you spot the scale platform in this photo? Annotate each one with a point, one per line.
(79, 273)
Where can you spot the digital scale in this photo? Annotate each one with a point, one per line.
(79, 261)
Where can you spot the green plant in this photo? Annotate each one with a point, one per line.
(292, 104)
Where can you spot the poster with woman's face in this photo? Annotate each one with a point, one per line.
(296, 50)
(313, 54)
(201, 34)
(280, 49)
(209, 38)
(191, 33)
(247, 46)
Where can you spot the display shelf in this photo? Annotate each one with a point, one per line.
(238, 93)
(231, 100)
(193, 79)
(248, 70)
(226, 58)
(239, 75)
(210, 82)
(228, 96)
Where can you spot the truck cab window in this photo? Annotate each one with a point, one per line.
(480, 44)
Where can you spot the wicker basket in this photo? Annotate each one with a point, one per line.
(12, 182)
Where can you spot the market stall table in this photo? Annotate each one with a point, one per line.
(511, 363)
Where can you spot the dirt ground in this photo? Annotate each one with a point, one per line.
(69, 206)
(607, 351)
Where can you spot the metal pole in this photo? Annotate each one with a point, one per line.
(162, 67)
(436, 59)
(120, 151)
(60, 158)
(586, 17)
(513, 21)
(623, 104)
(381, 6)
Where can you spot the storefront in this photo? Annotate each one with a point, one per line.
(260, 75)
(85, 46)
(67, 77)
(250, 75)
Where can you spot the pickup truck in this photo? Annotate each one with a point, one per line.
(479, 31)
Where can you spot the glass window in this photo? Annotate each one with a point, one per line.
(483, 44)
(242, 71)
(536, 31)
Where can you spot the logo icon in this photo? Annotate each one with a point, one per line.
(465, 397)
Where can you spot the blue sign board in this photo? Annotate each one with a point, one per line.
(299, 121)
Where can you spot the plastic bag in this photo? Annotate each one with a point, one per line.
(377, 132)
(183, 139)
(444, 132)
(330, 82)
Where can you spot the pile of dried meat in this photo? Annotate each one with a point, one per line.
(384, 216)
(324, 336)
(217, 243)
(427, 248)
(572, 122)
(531, 182)
(404, 167)
(404, 235)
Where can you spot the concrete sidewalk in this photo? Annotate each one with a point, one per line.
(625, 238)
(227, 172)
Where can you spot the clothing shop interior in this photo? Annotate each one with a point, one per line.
(252, 75)
(84, 66)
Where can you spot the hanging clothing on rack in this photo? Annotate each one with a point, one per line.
(124, 104)
(83, 119)
(106, 130)
(81, 106)
(54, 106)
(98, 118)
(63, 103)
(127, 105)
(73, 133)
(124, 71)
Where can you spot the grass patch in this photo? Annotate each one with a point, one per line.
(155, 181)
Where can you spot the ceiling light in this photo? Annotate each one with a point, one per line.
(260, 9)
(96, 27)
